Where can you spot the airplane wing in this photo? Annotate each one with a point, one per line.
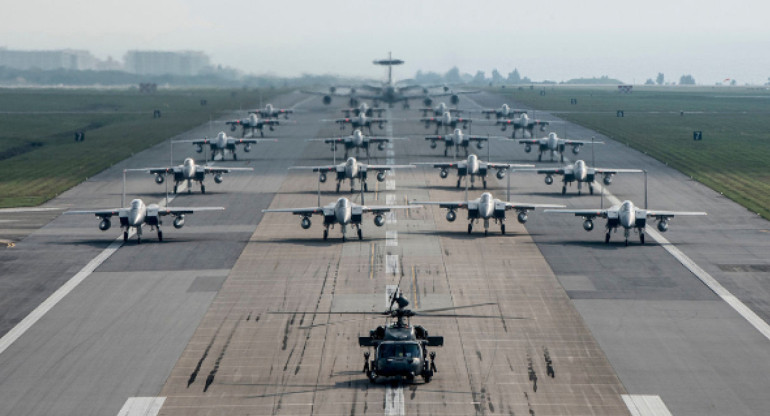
(105, 213)
(529, 141)
(443, 204)
(238, 122)
(386, 208)
(508, 165)
(437, 138)
(668, 214)
(157, 171)
(249, 141)
(330, 140)
(519, 206)
(212, 169)
(270, 122)
(343, 120)
(443, 165)
(550, 171)
(579, 142)
(477, 138)
(613, 171)
(489, 112)
(186, 210)
(389, 167)
(505, 121)
(298, 211)
(588, 213)
(430, 119)
(377, 120)
(327, 168)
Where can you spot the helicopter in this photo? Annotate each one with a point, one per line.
(400, 348)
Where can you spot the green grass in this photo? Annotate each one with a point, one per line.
(733, 157)
(40, 159)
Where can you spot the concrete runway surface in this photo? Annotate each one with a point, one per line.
(181, 327)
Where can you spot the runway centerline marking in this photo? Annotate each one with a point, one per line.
(394, 401)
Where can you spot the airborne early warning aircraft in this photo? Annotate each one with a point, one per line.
(343, 212)
(190, 171)
(554, 144)
(351, 170)
(138, 214)
(626, 216)
(473, 167)
(223, 143)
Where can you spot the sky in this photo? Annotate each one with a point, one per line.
(545, 40)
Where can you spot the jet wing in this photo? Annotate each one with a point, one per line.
(507, 165)
(327, 168)
(238, 122)
(529, 141)
(249, 141)
(270, 121)
(443, 204)
(588, 213)
(437, 138)
(519, 206)
(298, 211)
(212, 169)
(331, 140)
(105, 213)
(157, 171)
(186, 210)
(668, 214)
(613, 171)
(386, 208)
(477, 138)
(550, 171)
(579, 142)
(389, 167)
(377, 120)
(444, 165)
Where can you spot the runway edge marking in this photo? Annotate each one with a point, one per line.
(705, 278)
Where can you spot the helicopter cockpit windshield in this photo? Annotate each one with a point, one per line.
(400, 350)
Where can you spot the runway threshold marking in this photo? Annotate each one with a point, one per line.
(645, 405)
(17, 331)
(394, 401)
(142, 406)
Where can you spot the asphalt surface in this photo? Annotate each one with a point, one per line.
(187, 319)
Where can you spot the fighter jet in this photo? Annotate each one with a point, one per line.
(625, 215)
(521, 123)
(439, 110)
(447, 121)
(553, 144)
(360, 121)
(271, 112)
(358, 141)
(342, 212)
(456, 139)
(581, 173)
(363, 109)
(190, 171)
(473, 167)
(253, 122)
(138, 214)
(504, 111)
(351, 170)
(224, 143)
(486, 208)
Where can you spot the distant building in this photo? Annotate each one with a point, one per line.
(47, 60)
(162, 62)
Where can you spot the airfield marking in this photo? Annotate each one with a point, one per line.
(394, 401)
(645, 405)
(142, 406)
(371, 262)
(704, 277)
(391, 238)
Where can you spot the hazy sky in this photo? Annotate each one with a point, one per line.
(554, 40)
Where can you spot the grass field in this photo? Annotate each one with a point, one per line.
(733, 157)
(40, 159)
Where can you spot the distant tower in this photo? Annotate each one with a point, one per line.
(389, 62)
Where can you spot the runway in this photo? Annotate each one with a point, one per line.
(187, 320)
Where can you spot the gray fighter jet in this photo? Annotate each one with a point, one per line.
(521, 123)
(342, 212)
(505, 111)
(581, 173)
(439, 110)
(358, 141)
(554, 144)
(363, 108)
(138, 214)
(253, 122)
(626, 216)
(447, 121)
(361, 121)
(456, 139)
(224, 143)
(351, 170)
(486, 208)
(189, 171)
(473, 167)
(271, 112)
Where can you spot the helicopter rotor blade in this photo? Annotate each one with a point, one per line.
(327, 313)
(449, 315)
(450, 308)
